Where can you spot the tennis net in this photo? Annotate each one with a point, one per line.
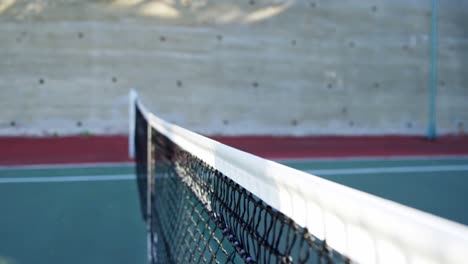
(205, 202)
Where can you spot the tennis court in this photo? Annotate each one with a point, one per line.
(305, 132)
(70, 215)
(91, 213)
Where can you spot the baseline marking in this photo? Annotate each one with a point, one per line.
(66, 166)
(389, 170)
(121, 177)
(126, 177)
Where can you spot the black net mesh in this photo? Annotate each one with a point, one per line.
(141, 157)
(199, 215)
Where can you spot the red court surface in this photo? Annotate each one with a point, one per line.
(97, 149)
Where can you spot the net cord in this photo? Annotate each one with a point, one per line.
(366, 228)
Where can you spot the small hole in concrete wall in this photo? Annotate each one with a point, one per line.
(376, 85)
(374, 9)
(114, 79)
(255, 84)
(162, 38)
(344, 110)
(79, 124)
(409, 125)
(329, 86)
(442, 83)
(219, 37)
(313, 4)
(225, 122)
(294, 122)
(12, 123)
(80, 35)
(252, 2)
(41, 81)
(179, 83)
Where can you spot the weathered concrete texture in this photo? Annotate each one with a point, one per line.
(231, 67)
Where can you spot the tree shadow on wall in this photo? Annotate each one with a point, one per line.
(197, 11)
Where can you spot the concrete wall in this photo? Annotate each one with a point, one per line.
(231, 67)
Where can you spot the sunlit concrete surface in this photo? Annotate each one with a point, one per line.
(231, 67)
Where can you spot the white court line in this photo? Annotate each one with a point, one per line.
(388, 170)
(91, 178)
(281, 160)
(66, 166)
(375, 158)
(124, 177)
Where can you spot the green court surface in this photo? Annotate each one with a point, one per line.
(70, 222)
(91, 214)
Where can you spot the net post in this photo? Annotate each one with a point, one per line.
(431, 129)
(131, 132)
(149, 193)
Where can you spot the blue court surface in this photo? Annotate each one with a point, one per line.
(91, 213)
